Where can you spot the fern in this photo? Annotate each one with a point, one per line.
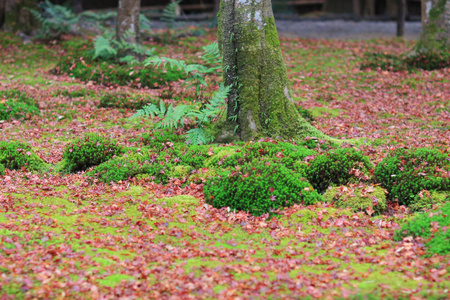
(106, 47)
(103, 48)
(198, 136)
(172, 117)
(55, 20)
(170, 13)
(195, 73)
(150, 110)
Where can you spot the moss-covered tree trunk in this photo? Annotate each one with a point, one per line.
(260, 102)
(128, 21)
(435, 26)
(16, 15)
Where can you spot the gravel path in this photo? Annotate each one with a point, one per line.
(334, 29)
(339, 29)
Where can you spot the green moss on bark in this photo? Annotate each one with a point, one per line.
(260, 103)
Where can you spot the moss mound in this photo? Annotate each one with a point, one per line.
(337, 167)
(260, 187)
(88, 151)
(16, 105)
(15, 155)
(405, 173)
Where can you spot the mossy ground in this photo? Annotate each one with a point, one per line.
(62, 236)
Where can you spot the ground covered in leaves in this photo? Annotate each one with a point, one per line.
(68, 236)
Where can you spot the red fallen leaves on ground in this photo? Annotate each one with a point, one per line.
(306, 252)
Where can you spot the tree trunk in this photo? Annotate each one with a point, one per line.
(128, 21)
(401, 14)
(17, 16)
(78, 6)
(260, 102)
(2, 13)
(435, 25)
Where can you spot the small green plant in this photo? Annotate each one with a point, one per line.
(2, 169)
(16, 105)
(336, 167)
(108, 48)
(88, 151)
(260, 187)
(16, 155)
(432, 226)
(405, 173)
(367, 199)
(124, 100)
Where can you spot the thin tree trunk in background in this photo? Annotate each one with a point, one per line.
(2, 13)
(128, 21)
(369, 8)
(401, 14)
(216, 7)
(260, 103)
(17, 16)
(357, 8)
(78, 6)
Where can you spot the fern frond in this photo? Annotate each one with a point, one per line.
(150, 110)
(175, 116)
(214, 107)
(211, 54)
(170, 12)
(145, 23)
(103, 48)
(198, 136)
(173, 63)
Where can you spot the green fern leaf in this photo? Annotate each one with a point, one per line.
(103, 48)
(198, 136)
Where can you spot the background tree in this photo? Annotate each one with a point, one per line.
(128, 21)
(78, 6)
(435, 26)
(260, 103)
(15, 15)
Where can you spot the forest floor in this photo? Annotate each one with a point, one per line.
(65, 236)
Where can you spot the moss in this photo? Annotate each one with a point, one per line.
(180, 172)
(357, 199)
(426, 200)
(202, 175)
(222, 154)
(114, 279)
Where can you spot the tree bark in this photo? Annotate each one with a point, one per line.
(260, 102)
(78, 6)
(128, 21)
(17, 16)
(435, 25)
(401, 14)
